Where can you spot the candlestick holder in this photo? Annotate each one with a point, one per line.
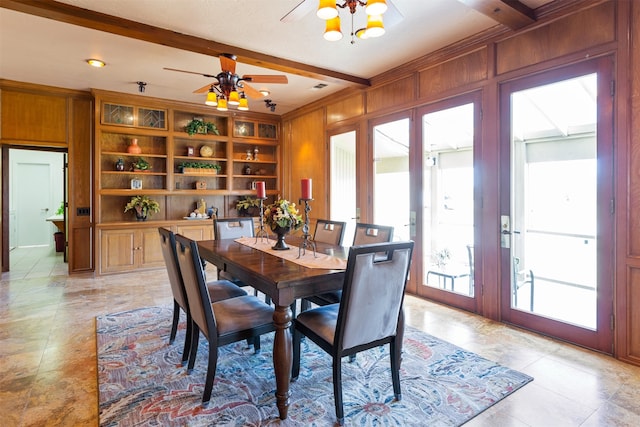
(262, 232)
(306, 242)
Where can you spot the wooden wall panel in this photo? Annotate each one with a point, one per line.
(453, 74)
(350, 107)
(396, 93)
(33, 117)
(80, 237)
(308, 160)
(590, 27)
(633, 316)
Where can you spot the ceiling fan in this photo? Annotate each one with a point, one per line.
(229, 88)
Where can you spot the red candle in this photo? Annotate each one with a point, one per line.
(261, 192)
(306, 188)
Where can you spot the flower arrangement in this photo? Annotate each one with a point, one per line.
(282, 213)
(143, 206)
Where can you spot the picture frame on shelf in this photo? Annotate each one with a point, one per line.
(241, 128)
(136, 184)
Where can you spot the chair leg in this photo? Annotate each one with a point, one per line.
(295, 366)
(395, 368)
(211, 374)
(337, 389)
(187, 340)
(174, 324)
(304, 305)
(194, 347)
(256, 344)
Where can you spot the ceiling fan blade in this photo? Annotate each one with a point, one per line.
(251, 91)
(228, 62)
(190, 72)
(205, 88)
(266, 78)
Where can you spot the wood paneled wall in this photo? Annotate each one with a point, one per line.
(46, 117)
(595, 28)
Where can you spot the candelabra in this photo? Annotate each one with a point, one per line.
(306, 242)
(262, 232)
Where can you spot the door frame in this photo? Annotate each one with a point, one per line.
(602, 338)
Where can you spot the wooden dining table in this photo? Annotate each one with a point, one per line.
(284, 281)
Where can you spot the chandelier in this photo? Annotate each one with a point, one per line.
(226, 92)
(328, 10)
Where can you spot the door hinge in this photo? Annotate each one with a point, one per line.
(612, 206)
(613, 322)
(613, 87)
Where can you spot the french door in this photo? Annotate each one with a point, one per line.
(557, 203)
(447, 148)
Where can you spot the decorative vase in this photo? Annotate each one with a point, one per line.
(134, 148)
(141, 217)
(281, 244)
(120, 165)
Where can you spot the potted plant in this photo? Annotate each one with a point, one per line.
(248, 206)
(282, 216)
(201, 126)
(201, 168)
(143, 206)
(140, 164)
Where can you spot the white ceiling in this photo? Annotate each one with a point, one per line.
(45, 51)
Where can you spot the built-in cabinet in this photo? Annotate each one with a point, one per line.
(181, 172)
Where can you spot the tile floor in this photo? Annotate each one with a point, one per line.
(48, 352)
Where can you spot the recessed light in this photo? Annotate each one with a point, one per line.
(264, 92)
(96, 63)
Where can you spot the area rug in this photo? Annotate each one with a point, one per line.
(142, 382)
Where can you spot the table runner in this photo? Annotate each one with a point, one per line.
(307, 259)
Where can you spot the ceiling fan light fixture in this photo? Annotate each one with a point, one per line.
(362, 33)
(212, 98)
(327, 9)
(243, 103)
(96, 63)
(222, 104)
(332, 31)
(375, 26)
(234, 98)
(376, 7)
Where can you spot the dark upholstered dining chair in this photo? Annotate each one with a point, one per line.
(232, 228)
(365, 234)
(220, 289)
(328, 231)
(221, 322)
(368, 315)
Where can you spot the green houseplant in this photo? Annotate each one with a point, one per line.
(248, 206)
(143, 206)
(140, 164)
(201, 126)
(199, 167)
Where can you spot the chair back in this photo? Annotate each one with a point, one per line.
(168, 244)
(195, 286)
(372, 294)
(232, 228)
(367, 234)
(329, 231)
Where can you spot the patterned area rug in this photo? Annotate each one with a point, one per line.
(142, 383)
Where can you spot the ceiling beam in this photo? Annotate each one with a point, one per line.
(111, 24)
(510, 13)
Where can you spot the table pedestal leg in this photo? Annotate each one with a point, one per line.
(282, 355)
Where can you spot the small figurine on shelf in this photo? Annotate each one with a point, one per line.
(249, 157)
(255, 153)
(247, 170)
(120, 165)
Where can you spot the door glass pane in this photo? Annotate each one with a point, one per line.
(343, 182)
(553, 201)
(448, 205)
(391, 202)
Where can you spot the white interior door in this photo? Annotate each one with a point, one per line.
(33, 201)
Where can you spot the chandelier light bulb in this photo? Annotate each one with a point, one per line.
(375, 27)
(332, 31)
(376, 7)
(327, 9)
(212, 99)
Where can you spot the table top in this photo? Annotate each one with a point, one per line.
(284, 281)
